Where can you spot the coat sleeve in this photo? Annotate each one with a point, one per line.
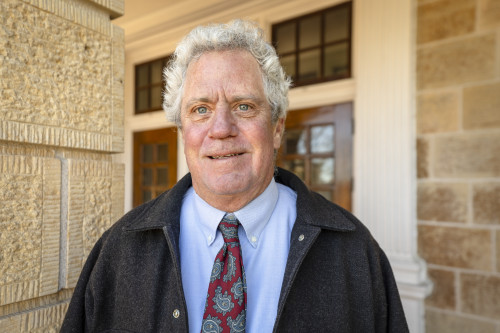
(396, 320)
(80, 311)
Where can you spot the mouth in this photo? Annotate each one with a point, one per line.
(219, 157)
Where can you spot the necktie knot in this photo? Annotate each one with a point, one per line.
(229, 227)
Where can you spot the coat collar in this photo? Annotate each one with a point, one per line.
(312, 208)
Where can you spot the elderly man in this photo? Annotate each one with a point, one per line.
(237, 245)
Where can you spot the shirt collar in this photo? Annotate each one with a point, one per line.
(253, 217)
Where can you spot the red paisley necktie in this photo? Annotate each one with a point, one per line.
(225, 308)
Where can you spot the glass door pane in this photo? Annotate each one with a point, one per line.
(295, 141)
(322, 139)
(322, 171)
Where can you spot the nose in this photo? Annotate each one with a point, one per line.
(222, 124)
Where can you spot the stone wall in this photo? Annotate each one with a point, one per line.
(458, 148)
(61, 121)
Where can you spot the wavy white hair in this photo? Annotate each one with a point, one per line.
(236, 35)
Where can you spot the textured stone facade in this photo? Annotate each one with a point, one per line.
(458, 162)
(61, 121)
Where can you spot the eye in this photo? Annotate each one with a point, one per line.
(201, 110)
(243, 107)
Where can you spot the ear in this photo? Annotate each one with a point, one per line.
(179, 129)
(279, 129)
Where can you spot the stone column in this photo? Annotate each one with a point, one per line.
(61, 121)
(384, 150)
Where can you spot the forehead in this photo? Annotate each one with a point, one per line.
(231, 71)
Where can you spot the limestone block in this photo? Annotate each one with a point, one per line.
(118, 73)
(467, 155)
(456, 247)
(10, 324)
(437, 112)
(489, 14)
(444, 19)
(481, 295)
(95, 200)
(12, 148)
(441, 322)
(59, 86)
(498, 250)
(29, 225)
(46, 319)
(32, 304)
(80, 12)
(442, 202)
(116, 7)
(486, 203)
(117, 191)
(481, 106)
(443, 293)
(457, 62)
(422, 158)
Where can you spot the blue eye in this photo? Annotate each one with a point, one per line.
(243, 107)
(201, 110)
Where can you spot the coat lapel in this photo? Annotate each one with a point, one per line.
(313, 214)
(302, 239)
(164, 213)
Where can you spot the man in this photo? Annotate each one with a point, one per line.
(291, 261)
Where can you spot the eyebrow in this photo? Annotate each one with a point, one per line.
(197, 100)
(234, 99)
(251, 97)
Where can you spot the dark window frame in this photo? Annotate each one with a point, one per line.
(149, 86)
(321, 47)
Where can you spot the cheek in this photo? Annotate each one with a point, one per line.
(192, 141)
(267, 142)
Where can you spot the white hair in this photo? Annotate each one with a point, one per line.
(236, 35)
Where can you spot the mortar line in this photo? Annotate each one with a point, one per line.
(63, 256)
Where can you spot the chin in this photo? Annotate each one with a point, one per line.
(231, 184)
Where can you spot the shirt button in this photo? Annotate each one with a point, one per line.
(176, 313)
(254, 239)
(301, 238)
(210, 238)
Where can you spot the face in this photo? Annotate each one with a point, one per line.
(229, 139)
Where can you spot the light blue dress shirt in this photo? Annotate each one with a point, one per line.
(265, 241)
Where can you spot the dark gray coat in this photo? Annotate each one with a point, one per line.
(337, 278)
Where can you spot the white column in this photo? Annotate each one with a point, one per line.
(385, 141)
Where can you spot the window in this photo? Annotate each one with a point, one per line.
(316, 47)
(149, 85)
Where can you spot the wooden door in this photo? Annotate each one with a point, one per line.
(317, 147)
(155, 163)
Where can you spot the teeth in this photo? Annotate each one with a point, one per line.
(224, 156)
